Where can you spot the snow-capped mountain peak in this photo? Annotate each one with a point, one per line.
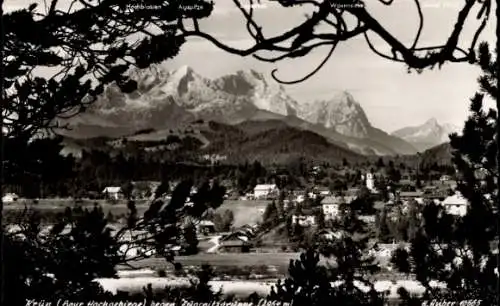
(427, 135)
(167, 98)
(431, 122)
(341, 113)
(264, 95)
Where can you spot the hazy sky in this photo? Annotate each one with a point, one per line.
(391, 97)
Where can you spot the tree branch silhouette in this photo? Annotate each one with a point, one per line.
(84, 48)
(302, 39)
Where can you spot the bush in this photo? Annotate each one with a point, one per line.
(162, 273)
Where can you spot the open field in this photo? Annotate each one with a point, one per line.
(245, 212)
(238, 263)
(242, 289)
(238, 260)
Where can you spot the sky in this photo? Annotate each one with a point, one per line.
(391, 97)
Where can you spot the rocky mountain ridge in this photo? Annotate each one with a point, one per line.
(427, 135)
(168, 99)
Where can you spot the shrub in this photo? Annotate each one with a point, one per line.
(162, 273)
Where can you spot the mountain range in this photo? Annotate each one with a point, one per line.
(167, 101)
(427, 135)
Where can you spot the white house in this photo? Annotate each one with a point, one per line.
(264, 190)
(304, 220)
(300, 198)
(113, 192)
(445, 178)
(370, 182)
(322, 191)
(328, 234)
(455, 205)
(205, 226)
(9, 198)
(386, 250)
(331, 207)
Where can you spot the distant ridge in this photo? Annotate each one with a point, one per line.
(427, 135)
(440, 155)
(273, 145)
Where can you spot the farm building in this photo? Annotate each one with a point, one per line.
(445, 178)
(328, 234)
(246, 230)
(206, 227)
(321, 190)
(455, 205)
(264, 191)
(386, 250)
(409, 195)
(9, 198)
(304, 219)
(238, 242)
(331, 207)
(114, 193)
(369, 181)
(367, 219)
(235, 246)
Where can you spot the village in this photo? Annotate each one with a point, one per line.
(239, 225)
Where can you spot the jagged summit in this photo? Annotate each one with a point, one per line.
(426, 135)
(341, 113)
(431, 122)
(168, 97)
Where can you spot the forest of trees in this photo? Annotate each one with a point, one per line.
(39, 170)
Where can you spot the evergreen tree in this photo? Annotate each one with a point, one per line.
(310, 283)
(127, 190)
(459, 251)
(320, 218)
(380, 163)
(61, 263)
(280, 205)
(163, 189)
(270, 217)
(35, 99)
(413, 220)
(190, 238)
(383, 231)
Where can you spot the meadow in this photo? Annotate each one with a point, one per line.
(222, 259)
(242, 289)
(245, 212)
